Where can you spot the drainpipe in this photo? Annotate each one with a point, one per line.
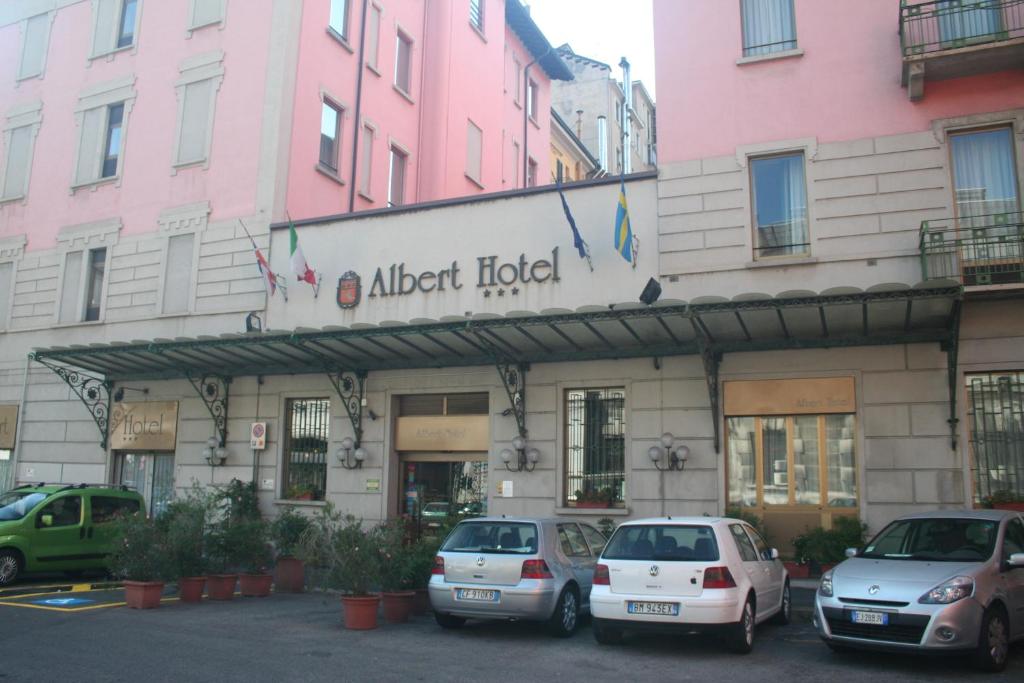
(359, 104)
(627, 124)
(526, 115)
(12, 477)
(602, 142)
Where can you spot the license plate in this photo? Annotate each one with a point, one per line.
(873, 618)
(666, 609)
(477, 595)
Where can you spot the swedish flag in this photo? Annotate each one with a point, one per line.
(623, 231)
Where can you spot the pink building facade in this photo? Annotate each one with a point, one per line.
(857, 151)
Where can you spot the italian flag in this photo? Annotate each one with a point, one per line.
(299, 266)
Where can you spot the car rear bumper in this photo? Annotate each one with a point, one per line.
(715, 607)
(529, 599)
(916, 627)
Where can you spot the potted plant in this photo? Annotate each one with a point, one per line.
(421, 566)
(395, 558)
(286, 533)
(231, 537)
(301, 492)
(139, 557)
(590, 497)
(1004, 500)
(184, 524)
(821, 549)
(254, 556)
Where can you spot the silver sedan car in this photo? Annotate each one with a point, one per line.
(943, 581)
(515, 568)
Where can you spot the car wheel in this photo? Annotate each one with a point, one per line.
(10, 566)
(786, 611)
(449, 620)
(740, 638)
(566, 615)
(993, 642)
(604, 634)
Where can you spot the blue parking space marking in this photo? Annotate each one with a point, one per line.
(63, 602)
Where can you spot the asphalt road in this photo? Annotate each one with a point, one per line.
(300, 637)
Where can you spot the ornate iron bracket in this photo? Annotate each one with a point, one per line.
(213, 389)
(712, 359)
(93, 392)
(513, 377)
(952, 348)
(351, 387)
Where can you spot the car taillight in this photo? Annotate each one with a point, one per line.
(718, 577)
(535, 569)
(601, 577)
(438, 565)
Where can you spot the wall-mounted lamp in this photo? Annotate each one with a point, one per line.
(372, 415)
(525, 459)
(676, 457)
(253, 323)
(652, 290)
(119, 394)
(349, 455)
(214, 453)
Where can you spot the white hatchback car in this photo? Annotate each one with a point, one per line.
(688, 574)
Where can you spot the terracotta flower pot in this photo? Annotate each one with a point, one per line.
(255, 585)
(398, 606)
(593, 505)
(1018, 507)
(360, 612)
(221, 586)
(421, 603)
(190, 589)
(143, 594)
(289, 575)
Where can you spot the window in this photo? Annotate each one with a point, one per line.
(115, 23)
(768, 26)
(995, 416)
(780, 205)
(206, 12)
(66, 511)
(373, 38)
(531, 173)
(595, 538)
(476, 14)
(178, 278)
(507, 537)
(403, 63)
(1013, 543)
(791, 460)
(195, 119)
(984, 176)
(33, 50)
(112, 150)
(330, 135)
(763, 551)
(965, 23)
(474, 152)
(572, 541)
(338, 21)
(366, 167)
(69, 291)
(94, 283)
(515, 164)
(663, 543)
(743, 544)
(126, 30)
(105, 509)
(595, 447)
(307, 435)
(102, 119)
(17, 164)
(532, 99)
(6, 286)
(396, 177)
(517, 81)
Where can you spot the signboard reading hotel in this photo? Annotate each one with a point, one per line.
(443, 433)
(150, 426)
(8, 423)
(790, 396)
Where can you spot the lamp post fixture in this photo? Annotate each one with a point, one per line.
(214, 453)
(525, 459)
(349, 455)
(676, 457)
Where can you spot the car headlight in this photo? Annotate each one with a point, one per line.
(825, 587)
(957, 588)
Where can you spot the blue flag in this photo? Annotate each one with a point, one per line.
(577, 239)
(623, 231)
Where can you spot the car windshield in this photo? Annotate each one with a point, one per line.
(519, 538)
(435, 509)
(663, 542)
(17, 504)
(939, 539)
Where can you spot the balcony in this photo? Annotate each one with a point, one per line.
(980, 252)
(944, 39)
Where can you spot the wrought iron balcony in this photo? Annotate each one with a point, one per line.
(943, 39)
(979, 251)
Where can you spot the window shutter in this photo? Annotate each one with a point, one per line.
(34, 49)
(373, 36)
(474, 151)
(179, 273)
(366, 173)
(195, 118)
(105, 24)
(6, 272)
(17, 167)
(206, 12)
(70, 301)
(91, 140)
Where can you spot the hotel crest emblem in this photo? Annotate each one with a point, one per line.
(349, 290)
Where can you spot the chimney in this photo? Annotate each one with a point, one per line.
(579, 123)
(602, 142)
(627, 107)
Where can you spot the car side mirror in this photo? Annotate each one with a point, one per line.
(851, 552)
(46, 520)
(774, 553)
(1016, 560)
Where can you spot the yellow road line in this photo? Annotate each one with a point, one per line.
(73, 609)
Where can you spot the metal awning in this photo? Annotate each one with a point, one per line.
(709, 326)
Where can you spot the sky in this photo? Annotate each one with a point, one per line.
(605, 30)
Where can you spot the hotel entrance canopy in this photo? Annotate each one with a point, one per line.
(709, 326)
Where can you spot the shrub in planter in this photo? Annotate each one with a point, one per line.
(254, 556)
(184, 526)
(595, 498)
(820, 547)
(395, 557)
(139, 557)
(421, 565)
(286, 533)
(1004, 500)
(236, 540)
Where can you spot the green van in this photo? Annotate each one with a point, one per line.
(53, 528)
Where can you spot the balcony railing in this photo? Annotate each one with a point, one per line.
(976, 251)
(950, 24)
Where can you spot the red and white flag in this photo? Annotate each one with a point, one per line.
(268, 275)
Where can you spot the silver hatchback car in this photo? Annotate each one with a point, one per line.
(943, 581)
(515, 568)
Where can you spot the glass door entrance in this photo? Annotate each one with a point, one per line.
(436, 487)
(151, 474)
